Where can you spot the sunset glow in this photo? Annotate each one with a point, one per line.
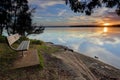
(106, 24)
(105, 29)
(56, 13)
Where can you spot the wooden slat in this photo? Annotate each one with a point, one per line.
(24, 45)
(13, 38)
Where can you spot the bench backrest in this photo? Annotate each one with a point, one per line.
(13, 38)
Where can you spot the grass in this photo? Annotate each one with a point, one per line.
(43, 49)
(48, 49)
(47, 70)
(37, 42)
(41, 59)
(7, 56)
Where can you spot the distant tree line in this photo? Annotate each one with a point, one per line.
(15, 17)
(88, 6)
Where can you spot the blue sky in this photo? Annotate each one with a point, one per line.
(57, 13)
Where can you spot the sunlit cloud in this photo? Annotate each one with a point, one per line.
(112, 17)
(52, 9)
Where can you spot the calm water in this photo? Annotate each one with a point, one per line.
(101, 42)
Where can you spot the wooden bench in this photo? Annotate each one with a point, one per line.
(24, 45)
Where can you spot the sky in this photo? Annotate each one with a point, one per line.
(57, 13)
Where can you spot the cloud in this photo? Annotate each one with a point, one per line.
(62, 12)
(112, 17)
(74, 47)
(106, 15)
(103, 55)
(112, 38)
(50, 3)
(38, 17)
(46, 3)
(82, 20)
(100, 11)
(44, 9)
(80, 40)
(61, 40)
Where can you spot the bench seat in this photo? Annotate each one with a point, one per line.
(24, 45)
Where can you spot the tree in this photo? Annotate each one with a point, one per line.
(4, 14)
(22, 21)
(16, 17)
(88, 6)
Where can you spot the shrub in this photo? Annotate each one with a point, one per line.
(2, 39)
(23, 38)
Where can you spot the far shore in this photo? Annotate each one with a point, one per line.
(82, 26)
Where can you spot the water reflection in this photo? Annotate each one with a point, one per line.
(105, 29)
(101, 42)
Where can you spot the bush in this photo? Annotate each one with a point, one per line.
(2, 39)
(23, 38)
(33, 41)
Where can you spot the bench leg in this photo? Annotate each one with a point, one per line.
(23, 54)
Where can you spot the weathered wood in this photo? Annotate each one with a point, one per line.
(31, 58)
(24, 45)
(13, 38)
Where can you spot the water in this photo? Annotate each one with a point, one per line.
(101, 42)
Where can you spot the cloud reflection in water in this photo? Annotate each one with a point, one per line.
(89, 41)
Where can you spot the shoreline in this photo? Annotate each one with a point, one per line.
(97, 67)
(58, 62)
(69, 49)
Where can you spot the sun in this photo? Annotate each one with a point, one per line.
(106, 24)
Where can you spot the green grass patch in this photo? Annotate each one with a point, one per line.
(43, 49)
(7, 56)
(48, 49)
(41, 59)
